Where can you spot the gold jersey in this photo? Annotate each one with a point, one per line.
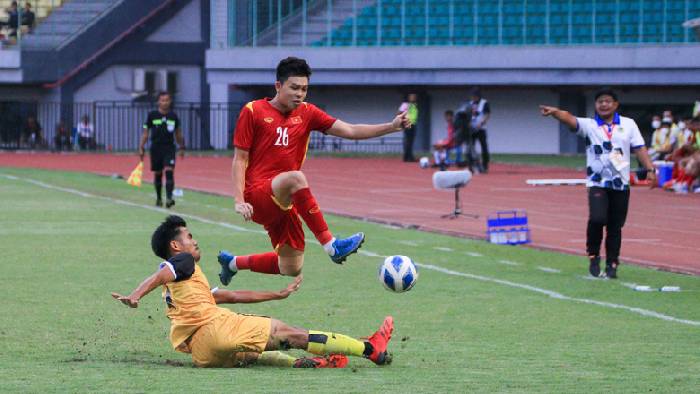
(190, 303)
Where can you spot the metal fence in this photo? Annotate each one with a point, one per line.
(453, 22)
(118, 127)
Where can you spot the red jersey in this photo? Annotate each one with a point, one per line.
(276, 142)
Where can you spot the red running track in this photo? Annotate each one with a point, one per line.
(662, 228)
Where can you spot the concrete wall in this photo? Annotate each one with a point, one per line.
(115, 84)
(515, 126)
(185, 26)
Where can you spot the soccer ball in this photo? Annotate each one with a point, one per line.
(424, 162)
(398, 273)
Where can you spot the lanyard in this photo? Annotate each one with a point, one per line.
(609, 128)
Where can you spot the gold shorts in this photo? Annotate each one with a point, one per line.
(230, 340)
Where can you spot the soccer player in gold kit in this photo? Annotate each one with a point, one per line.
(218, 337)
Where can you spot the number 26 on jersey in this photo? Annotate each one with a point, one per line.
(282, 137)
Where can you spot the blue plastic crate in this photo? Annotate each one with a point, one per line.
(508, 228)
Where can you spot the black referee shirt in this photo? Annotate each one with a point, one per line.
(162, 128)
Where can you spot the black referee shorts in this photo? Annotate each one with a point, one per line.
(162, 157)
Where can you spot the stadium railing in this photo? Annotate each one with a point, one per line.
(452, 22)
(118, 126)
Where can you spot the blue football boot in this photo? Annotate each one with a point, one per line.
(345, 247)
(225, 257)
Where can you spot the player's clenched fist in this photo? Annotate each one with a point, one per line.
(546, 110)
(401, 121)
(244, 209)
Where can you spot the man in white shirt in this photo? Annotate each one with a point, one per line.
(609, 140)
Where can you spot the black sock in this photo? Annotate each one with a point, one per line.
(169, 184)
(158, 183)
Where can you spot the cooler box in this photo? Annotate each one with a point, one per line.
(508, 228)
(664, 171)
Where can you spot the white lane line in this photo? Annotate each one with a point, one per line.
(508, 262)
(547, 269)
(443, 249)
(559, 296)
(549, 293)
(474, 254)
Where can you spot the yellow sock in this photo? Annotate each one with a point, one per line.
(327, 342)
(276, 359)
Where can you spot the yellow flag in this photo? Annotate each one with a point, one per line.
(136, 174)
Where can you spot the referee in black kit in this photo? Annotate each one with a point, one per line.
(164, 127)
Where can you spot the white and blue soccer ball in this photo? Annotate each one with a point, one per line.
(398, 273)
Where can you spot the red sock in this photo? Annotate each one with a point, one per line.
(309, 210)
(267, 263)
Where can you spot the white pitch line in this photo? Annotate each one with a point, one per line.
(559, 296)
(550, 270)
(549, 293)
(368, 253)
(443, 249)
(474, 254)
(508, 262)
(409, 243)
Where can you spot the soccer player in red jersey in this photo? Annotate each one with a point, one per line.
(271, 139)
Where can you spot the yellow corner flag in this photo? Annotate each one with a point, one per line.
(136, 174)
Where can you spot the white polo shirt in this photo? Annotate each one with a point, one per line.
(604, 141)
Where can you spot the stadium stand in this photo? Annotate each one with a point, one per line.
(514, 22)
(41, 9)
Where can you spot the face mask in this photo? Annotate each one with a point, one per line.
(667, 120)
(681, 125)
(655, 124)
(664, 130)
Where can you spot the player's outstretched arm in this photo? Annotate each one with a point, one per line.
(163, 276)
(365, 131)
(249, 297)
(560, 115)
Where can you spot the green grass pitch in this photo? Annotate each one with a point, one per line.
(70, 239)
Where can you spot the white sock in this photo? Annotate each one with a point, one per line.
(232, 265)
(328, 247)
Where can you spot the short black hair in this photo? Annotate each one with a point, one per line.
(166, 232)
(164, 93)
(605, 92)
(449, 112)
(292, 67)
(475, 91)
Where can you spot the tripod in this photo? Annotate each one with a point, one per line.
(458, 207)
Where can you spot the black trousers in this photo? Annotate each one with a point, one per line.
(606, 208)
(485, 157)
(409, 135)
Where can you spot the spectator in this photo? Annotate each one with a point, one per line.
(13, 19)
(62, 138)
(31, 135)
(481, 113)
(86, 134)
(28, 17)
(685, 134)
(445, 145)
(661, 145)
(409, 134)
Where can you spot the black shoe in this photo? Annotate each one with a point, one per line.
(159, 202)
(594, 266)
(169, 203)
(611, 270)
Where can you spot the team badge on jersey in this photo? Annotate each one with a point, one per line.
(268, 120)
(296, 120)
